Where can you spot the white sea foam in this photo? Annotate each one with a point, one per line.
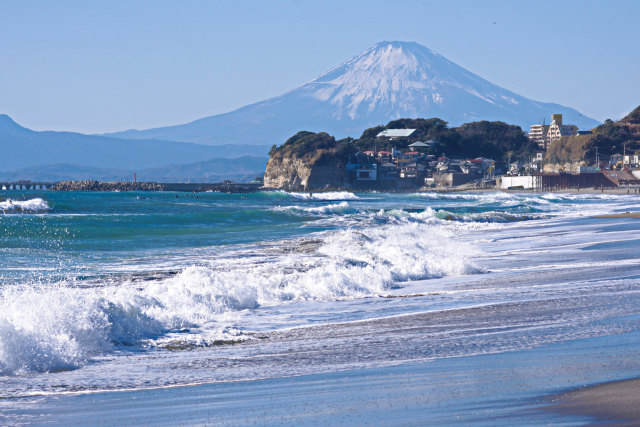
(327, 195)
(31, 205)
(482, 197)
(341, 207)
(489, 217)
(63, 326)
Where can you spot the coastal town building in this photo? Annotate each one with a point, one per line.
(419, 145)
(385, 156)
(539, 135)
(395, 133)
(408, 169)
(408, 157)
(557, 129)
(543, 134)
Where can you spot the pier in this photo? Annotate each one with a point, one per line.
(88, 185)
(92, 185)
(225, 187)
(26, 185)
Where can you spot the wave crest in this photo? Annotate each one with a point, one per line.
(31, 205)
(63, 326)
(326, 195)
(342, 207)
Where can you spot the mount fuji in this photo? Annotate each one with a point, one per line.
(390, 80)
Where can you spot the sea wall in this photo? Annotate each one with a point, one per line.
(90, 185)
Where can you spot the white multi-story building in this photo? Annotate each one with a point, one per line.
(539, 135)
(543, 135)
(557, 130)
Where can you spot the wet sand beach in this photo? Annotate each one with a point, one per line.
(506, 389)
(615, 403)
(621, 215)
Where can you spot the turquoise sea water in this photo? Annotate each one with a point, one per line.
(115, 291)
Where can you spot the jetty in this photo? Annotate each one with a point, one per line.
(91, 185)
(26, 185)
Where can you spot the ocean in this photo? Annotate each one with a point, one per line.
(134, 292)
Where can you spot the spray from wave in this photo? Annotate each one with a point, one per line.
(327, 195)
(32, 205)
(336, 208)
(48, 327)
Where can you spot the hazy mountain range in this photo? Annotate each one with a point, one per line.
(388, 81)
(241, 169)
(24, 148)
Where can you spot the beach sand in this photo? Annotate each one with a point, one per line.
(500, 389)
(621, 215)
(585, 190)
(616, 403)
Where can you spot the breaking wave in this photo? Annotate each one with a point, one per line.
(342, 207)
(488, 217)
(32, 205)
(48, 327)
(327, 195)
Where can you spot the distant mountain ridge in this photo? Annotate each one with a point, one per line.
(241, 169)
(390, 80)
(24, 148)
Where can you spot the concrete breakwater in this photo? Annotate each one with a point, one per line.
(91, 185)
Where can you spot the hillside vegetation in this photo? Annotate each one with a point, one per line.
(495, 140)
(610, 138)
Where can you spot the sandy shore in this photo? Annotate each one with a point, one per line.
(590, 190)
(617, 402)
(497, 389)
(613, 190)
(621, 215)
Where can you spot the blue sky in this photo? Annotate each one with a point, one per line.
(113, 65)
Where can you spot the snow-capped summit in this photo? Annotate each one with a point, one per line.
(399, 78)
(388, 81)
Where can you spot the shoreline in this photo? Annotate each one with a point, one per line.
(635, 215)
(426, 392)
(243, 188)
(470, 349)
(616, 402)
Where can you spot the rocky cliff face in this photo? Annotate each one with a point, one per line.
(287, 173)
(295, 174)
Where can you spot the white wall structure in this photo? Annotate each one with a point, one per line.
(527, 182)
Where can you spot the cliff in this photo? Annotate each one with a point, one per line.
(308, 161)
(298, 175)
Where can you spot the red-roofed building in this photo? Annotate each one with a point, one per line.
(384, 156)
